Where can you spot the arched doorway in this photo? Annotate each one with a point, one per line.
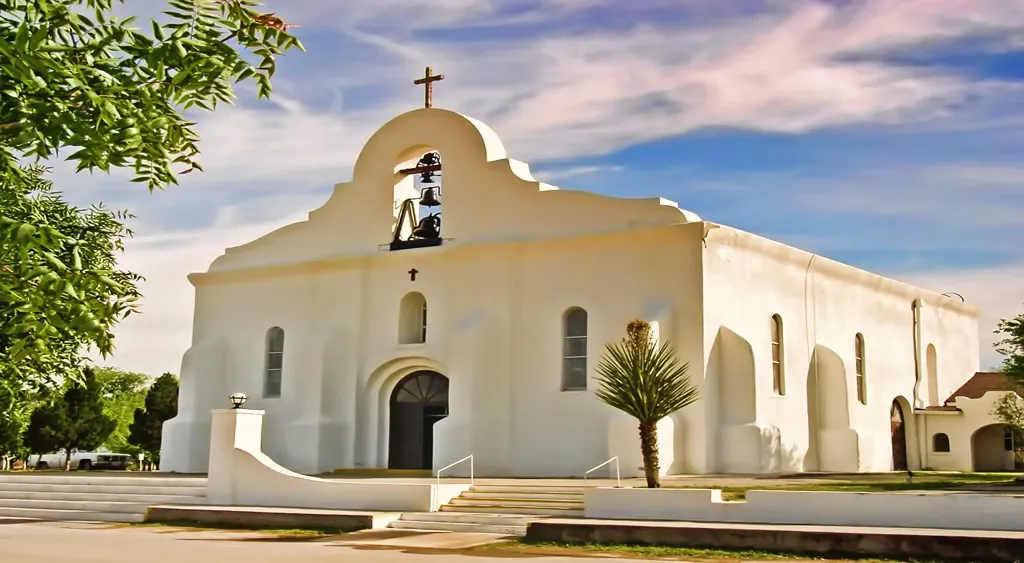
(419, 400)
(992, 449)
(898, 427)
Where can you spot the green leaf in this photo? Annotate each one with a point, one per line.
(25, 232)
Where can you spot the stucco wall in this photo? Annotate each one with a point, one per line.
(976, 439)
(823, 305)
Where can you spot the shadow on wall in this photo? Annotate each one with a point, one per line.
(743, 446)
(832, 444)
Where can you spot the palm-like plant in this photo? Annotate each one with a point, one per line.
(645, 380)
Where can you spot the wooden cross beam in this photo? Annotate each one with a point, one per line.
(420, 169)
(428, 79)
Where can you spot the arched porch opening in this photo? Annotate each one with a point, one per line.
(992, 449)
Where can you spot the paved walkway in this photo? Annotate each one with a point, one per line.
(52, 542)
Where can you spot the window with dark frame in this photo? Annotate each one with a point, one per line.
(574, 350)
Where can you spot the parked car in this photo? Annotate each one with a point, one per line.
(83, 461)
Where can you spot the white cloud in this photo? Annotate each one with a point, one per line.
(556, 174)
(792, 67)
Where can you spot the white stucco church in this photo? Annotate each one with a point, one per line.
(444, 303)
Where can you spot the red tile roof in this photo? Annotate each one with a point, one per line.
(982, 383)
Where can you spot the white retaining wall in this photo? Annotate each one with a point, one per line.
(964, 511)
(242, 475)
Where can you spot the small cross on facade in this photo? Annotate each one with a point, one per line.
(412, 274)
(428, 79)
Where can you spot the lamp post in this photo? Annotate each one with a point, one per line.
(238, 399)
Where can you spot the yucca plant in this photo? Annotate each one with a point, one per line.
(645, 380)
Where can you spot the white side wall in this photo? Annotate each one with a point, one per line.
(895, 510)
(818, 424)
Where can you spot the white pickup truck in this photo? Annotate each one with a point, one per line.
(83, 461)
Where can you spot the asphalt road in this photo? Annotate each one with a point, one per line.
(59, 542)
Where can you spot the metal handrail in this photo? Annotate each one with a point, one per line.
(618, 479)
(451, 465)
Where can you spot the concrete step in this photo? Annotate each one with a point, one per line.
(527, 489)
(59, 488)
(94, 480)
(511, 504)
(541, 511)
(469, 518)
(70, 515)
(519, 496)
(458, 527)
(101, 497)
(73, 505)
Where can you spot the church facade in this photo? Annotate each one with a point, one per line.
(380, 333)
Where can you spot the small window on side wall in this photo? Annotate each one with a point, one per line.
(778, 357)
(940, 443)
(858, 362)
(274, 363)
(574, 350)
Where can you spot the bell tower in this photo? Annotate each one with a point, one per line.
(410, 233)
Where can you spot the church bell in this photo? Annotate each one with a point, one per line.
(429, 228)
(428, 199)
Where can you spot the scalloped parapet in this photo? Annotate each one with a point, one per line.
(487, 197)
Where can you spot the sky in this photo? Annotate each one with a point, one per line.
(886, 134)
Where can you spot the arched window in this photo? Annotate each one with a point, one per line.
(940, 443)
(858, 362)
(574, 350)
(412, 319)
(274, 363)
(778, 355)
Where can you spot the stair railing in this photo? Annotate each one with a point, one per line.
(451, 465)
(435, 501)
(618, 478)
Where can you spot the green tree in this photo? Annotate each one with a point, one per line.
(88, 244)
(75, 422)
(645, 380)
(1012, 347)
(1009, 410)
(13, 418)
(161, 406)
(123, 392)
(76, 80)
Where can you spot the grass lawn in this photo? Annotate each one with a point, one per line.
(523, 547)
(877, 483)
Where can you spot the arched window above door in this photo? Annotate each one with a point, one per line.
(412, 319)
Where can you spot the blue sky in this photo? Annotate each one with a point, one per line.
(885, 134)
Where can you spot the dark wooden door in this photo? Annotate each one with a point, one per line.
(899, 437)
(418, 401)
